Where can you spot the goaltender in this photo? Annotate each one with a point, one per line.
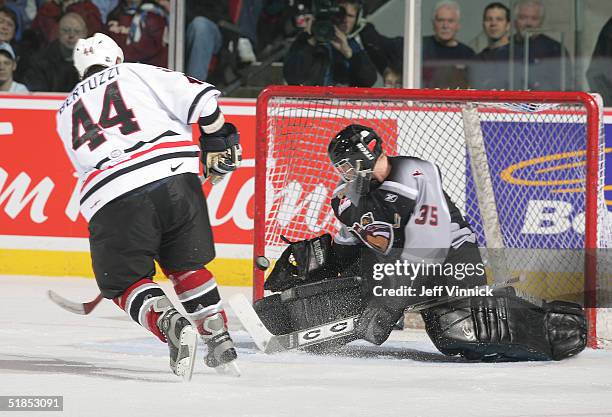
(394, 214)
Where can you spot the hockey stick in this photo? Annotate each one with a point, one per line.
(270, 343)
(74, 307)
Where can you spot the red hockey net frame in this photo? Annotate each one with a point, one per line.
(592, 178)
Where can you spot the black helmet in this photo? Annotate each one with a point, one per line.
(354, 143)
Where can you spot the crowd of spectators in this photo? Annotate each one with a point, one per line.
(518, 55)
(43, 33)
(529, 59)
(37, 38)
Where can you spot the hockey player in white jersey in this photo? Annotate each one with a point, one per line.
(127, 130)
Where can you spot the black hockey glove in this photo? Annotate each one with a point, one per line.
(301, 262)
(221, 151)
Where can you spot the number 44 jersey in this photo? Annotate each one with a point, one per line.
(129, 125)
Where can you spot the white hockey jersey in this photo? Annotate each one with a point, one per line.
(130, 125)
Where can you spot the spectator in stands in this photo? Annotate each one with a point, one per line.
(333, 57)
(545, 53)
(51, 69)
(599, 73)
(445, 59)
(8, 65)
(383, 51)
(8, 32)
(140, 28)
(392, 76)
(248, 17)
(8, 25)
(490, 69)
(203, 38)
(46, 23)
(214, 44)
(25, 11)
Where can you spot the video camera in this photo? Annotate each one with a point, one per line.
(327, 14)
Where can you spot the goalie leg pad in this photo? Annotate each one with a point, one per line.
(505, 327)
(311, 305)
(322, 302)
(274, 314)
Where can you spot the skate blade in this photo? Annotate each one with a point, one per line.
(228, 369)
(187, 353)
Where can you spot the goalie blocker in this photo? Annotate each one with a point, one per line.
(501, 327)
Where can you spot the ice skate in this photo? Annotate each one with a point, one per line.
(181, 336)
(221, 352)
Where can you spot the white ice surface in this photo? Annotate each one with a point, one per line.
(106, 365)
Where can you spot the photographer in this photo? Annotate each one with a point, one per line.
(328, 51)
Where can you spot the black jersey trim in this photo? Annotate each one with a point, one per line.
(210, 119)
(138, 145)
(196, 100)
(134, 167)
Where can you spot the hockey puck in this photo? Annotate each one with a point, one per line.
(262, 263)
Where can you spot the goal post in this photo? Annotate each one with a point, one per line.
(539, 166)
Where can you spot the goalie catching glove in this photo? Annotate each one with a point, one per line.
(302, 262)
(221, 151)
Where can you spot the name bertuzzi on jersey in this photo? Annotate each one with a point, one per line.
(90, 83)
(116, 145)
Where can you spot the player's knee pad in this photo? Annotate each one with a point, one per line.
(311, 305)
(505, 327)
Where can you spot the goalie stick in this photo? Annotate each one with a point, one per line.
(271, 343)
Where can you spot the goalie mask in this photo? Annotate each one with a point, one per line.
(354, 148)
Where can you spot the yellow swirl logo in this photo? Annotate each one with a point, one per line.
(534, 172)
